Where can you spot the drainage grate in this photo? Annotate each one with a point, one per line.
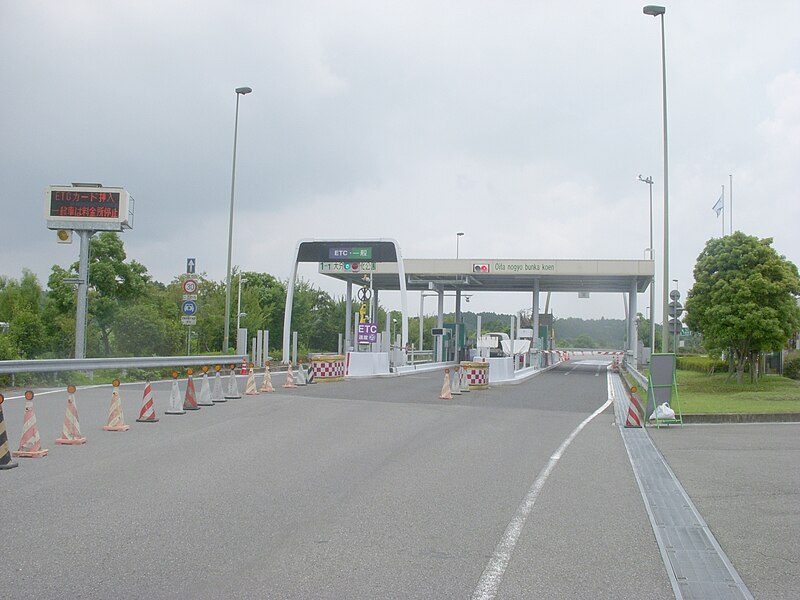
(696, 564)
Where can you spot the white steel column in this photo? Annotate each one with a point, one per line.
(633, 337)
(535, 318)
(348, 315)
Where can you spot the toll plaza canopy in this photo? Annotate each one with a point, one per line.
(499, 275)
(350, 260)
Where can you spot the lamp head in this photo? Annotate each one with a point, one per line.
(654, 10)
(243, 90)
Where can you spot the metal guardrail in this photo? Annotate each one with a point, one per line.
(639, 377)
(93, 364)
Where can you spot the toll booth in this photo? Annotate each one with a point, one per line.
(456, 341)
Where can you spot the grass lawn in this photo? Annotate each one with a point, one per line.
(701, 393)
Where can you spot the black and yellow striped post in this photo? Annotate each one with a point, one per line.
(5, 454)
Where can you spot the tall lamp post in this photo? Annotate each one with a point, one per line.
(655, 11)
(649, 182)
(239, 313)
(239, 92)
(458, 237)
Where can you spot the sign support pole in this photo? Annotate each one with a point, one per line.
(83, 290)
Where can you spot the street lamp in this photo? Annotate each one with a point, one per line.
(458, 237)
(675, 332)
(241, 91)
(649, 182)
(656, 11)
(239, 313)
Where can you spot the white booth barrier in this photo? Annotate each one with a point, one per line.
(365, 364)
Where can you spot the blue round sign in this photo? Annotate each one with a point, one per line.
(189, 307)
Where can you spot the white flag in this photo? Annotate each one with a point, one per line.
(717, 208)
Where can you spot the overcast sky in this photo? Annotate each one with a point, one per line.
(522, 124)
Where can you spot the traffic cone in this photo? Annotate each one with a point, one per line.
(244, 366)
(190, 399)
(633, 418)
(148, 412)
(289, 378)
(216, 395)
(116, 421)
(175, 402)
(30, 445)
(233, 387)
(446, 394)
(455, 387)
(463, 380)
(301, 375)
(71, 432)
(251, 383)
(310, 374)
(205, 391)
(266, 384)
(5, 456)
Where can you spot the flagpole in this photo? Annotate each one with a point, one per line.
(723, 211)
(730, 194)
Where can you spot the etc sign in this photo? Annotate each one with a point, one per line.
(367, 333)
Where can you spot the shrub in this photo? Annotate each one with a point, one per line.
(701, 364)
(791, 368)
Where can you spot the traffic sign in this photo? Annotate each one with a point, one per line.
(675, 309)
(367, 333)
(189, 307)
(190, 296)
(675, 326)
(190, 286)
(189, 320)
(190, 262)
(675, 295)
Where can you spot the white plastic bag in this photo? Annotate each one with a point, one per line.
(664, 412)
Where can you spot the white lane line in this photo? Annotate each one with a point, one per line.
(571, 370)
(489, 582)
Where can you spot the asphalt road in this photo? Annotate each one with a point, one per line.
(358, 489)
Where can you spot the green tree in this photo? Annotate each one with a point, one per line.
(113, 283)
(744, 298)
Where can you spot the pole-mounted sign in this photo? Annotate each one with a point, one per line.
(88, 206)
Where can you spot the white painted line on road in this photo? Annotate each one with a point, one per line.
(571, 370)
(489, 582)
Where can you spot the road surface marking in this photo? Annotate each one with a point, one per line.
(489, 582)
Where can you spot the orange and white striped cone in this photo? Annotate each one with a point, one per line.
(251, 383)
(289, 378)
(446, 394)
(205, 391)
(30, 445)
(175, 402)
(455, 384)
(233, 387)
(635, 413)
(244, 366)
(116, 420)
(266, 384)
(5, 455)
(216, 394)
(71, 432)
(190, 399)
(148, 412)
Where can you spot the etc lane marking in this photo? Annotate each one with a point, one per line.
(489, 582)
(571, 370)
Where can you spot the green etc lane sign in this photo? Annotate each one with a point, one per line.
(351, 257)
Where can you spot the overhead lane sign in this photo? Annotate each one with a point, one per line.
(350, 253)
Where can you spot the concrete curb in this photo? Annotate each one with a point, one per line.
(789, 417)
